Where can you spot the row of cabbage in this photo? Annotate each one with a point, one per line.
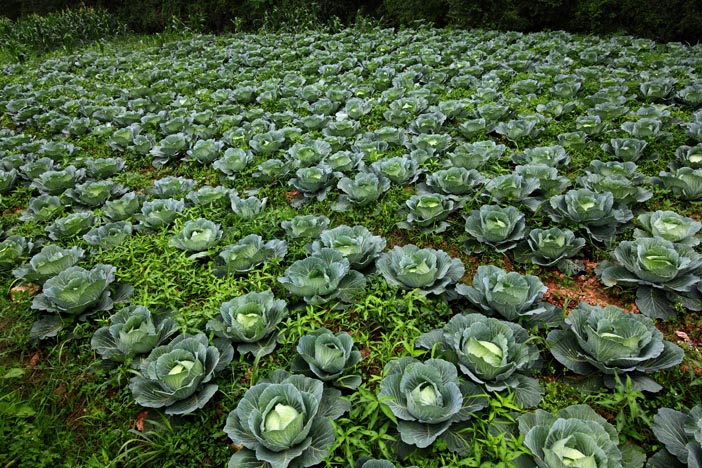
(310, 135)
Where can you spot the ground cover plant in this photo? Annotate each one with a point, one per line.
(368, 248)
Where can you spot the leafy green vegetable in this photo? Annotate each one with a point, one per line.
(177, 375)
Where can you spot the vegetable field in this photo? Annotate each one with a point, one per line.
(371, 248)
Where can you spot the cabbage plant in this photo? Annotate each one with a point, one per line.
(357, 244)
(685, 183)
(500, 228)
(247, 254)
(455, 181)
(626, 149)
(73, 292)
(207, 195)
(8, 180)
(178, 375)
(496, 354)
(104, 168)
(329, 357)
(250, 321)
(364, 189)
(512, 189)
(123, 208)
(476, 155)
(614, 343)
(284, 421)
(400, 170)
(160, 213)
(43, 208)
(427, 212)
(271, 170)
(510, 295)
(550, 181)
(576, 436)
(109, 235)
(552, 156)
(590, 211)
(681, 434)
(171, 187)
(205, 151)
(304, 226)
(322, 277)
(132, 331)
(198, 235)
(624, 191)
(56, 181)
(430, 402)
(427, 270)
(670, 226)
(314, 181)
(688, 156)
(551, 247)
(71, 225)
(663, 274)
(13, 250)
(233, 160)
(247, 208)
(169, 148)
(48, 262)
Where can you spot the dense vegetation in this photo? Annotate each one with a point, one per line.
(429, 247)
(669, 20)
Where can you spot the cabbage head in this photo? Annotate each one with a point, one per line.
(576, 436)
(455, 181)
(250, 321)
(322, 277)
(247, 208)
(427, 270)
(498, 227)
(93, 193)
(171, 187)
(284, 421)
(13, 250)
(681, 434)
(328, 357)
(123, 208)
(551, 247)
(615, 343)
(43, 208)
(305, 226)
(429, 401)
(365, 188)
(357, 244)
(197, 235)
(594, 212)
(685, 182)
(71, 225)
(160, 213)
(76, 290)
(109, 235)
(494, 353)
(670, 226)
(663, 273)
(247, 254)
(427, 212)
(510, 295)
(50, 261)
(177, 375)
(133, 330)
